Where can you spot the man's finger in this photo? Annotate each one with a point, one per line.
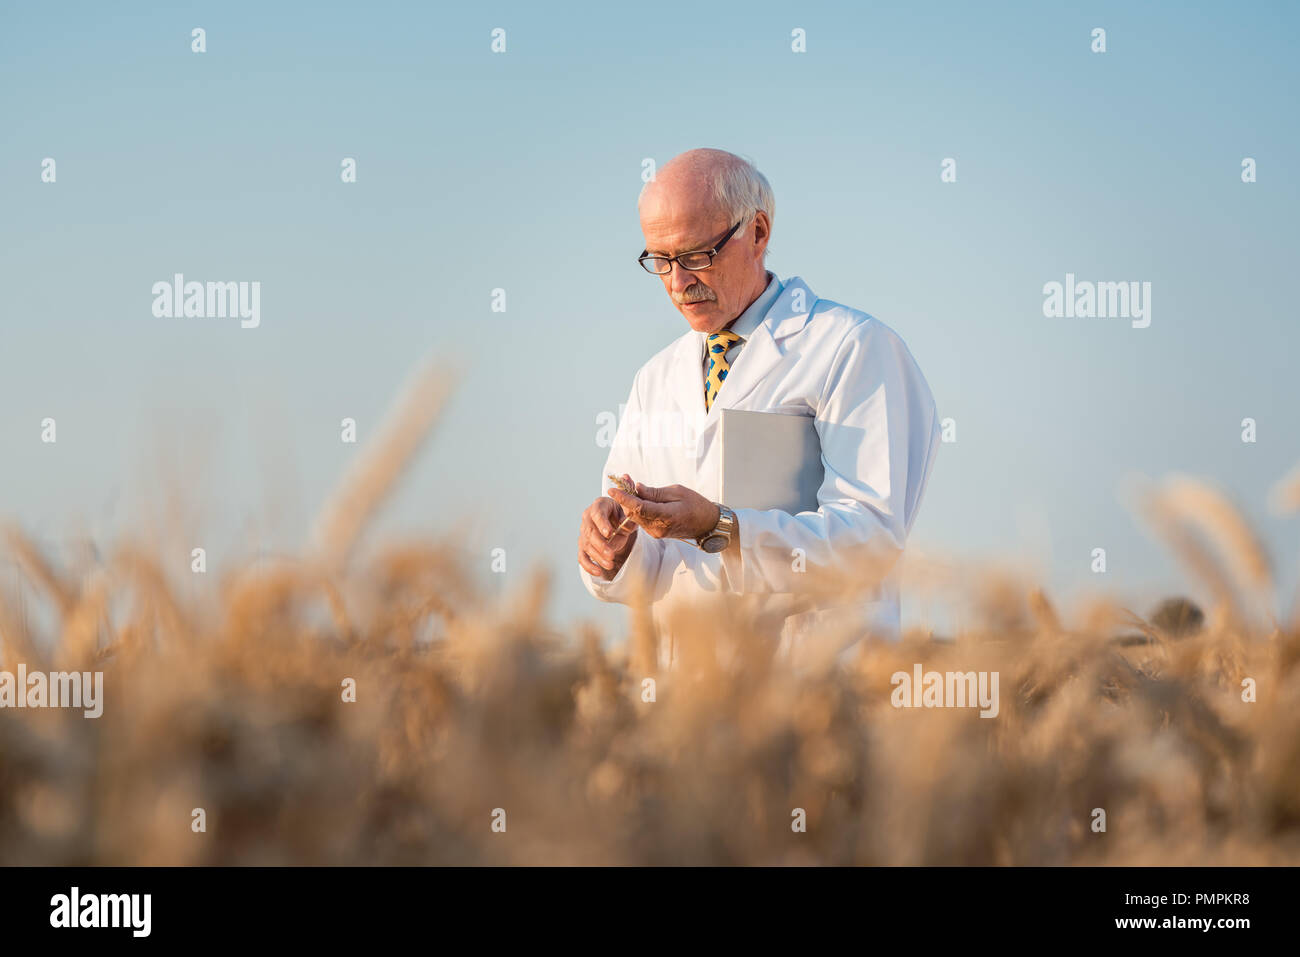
(648, 513)
(596, 552)
(650, 493)
(606, 516)
(663, 494)
(640, 510)
(590, 567)
(630, 504)
(593, 540)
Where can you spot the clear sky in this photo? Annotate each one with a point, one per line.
(520, 171)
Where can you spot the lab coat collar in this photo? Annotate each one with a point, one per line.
(788, 315)
(791, 310)
(745, 324)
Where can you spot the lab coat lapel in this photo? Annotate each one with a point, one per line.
(688, 375)
(763, 351)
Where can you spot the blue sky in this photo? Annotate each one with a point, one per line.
(521, 170)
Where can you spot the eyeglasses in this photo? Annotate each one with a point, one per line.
(693, 260)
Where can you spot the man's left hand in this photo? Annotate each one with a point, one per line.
(673, 511)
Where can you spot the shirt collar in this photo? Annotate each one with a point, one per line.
(745, 324)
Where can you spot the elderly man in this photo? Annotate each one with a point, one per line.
(764, 344)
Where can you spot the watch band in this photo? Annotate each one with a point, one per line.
(720, 537)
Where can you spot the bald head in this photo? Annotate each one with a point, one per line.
(692, 202)
(708, 177)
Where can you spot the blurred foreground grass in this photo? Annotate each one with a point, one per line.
(464, 706)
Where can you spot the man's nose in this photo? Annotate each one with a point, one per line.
(681, 279)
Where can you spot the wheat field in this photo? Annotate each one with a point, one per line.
(471, 710)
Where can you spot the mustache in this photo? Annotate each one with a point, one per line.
(700, 294)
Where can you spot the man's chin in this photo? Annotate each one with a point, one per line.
(698, 313)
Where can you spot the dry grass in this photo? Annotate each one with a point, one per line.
(465, 705)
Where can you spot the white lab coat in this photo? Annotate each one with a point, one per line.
(879, 432)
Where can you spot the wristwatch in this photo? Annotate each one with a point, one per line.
(718, 539)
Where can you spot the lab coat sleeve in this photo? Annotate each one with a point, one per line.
(879, 432)
(641, 569)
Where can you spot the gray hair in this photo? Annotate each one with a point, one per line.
(741, 189)
(736, 185)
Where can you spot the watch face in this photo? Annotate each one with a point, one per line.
(715, 543)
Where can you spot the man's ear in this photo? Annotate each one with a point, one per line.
(762, 230)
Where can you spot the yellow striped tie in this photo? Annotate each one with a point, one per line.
(719, 343)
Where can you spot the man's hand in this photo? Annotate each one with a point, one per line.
(673, 511)
(601, 551)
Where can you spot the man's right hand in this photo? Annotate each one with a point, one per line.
(598, 554)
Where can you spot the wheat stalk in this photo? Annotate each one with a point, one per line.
(374, 474)
(1183, 506)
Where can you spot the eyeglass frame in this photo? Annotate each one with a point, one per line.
(712, 252)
